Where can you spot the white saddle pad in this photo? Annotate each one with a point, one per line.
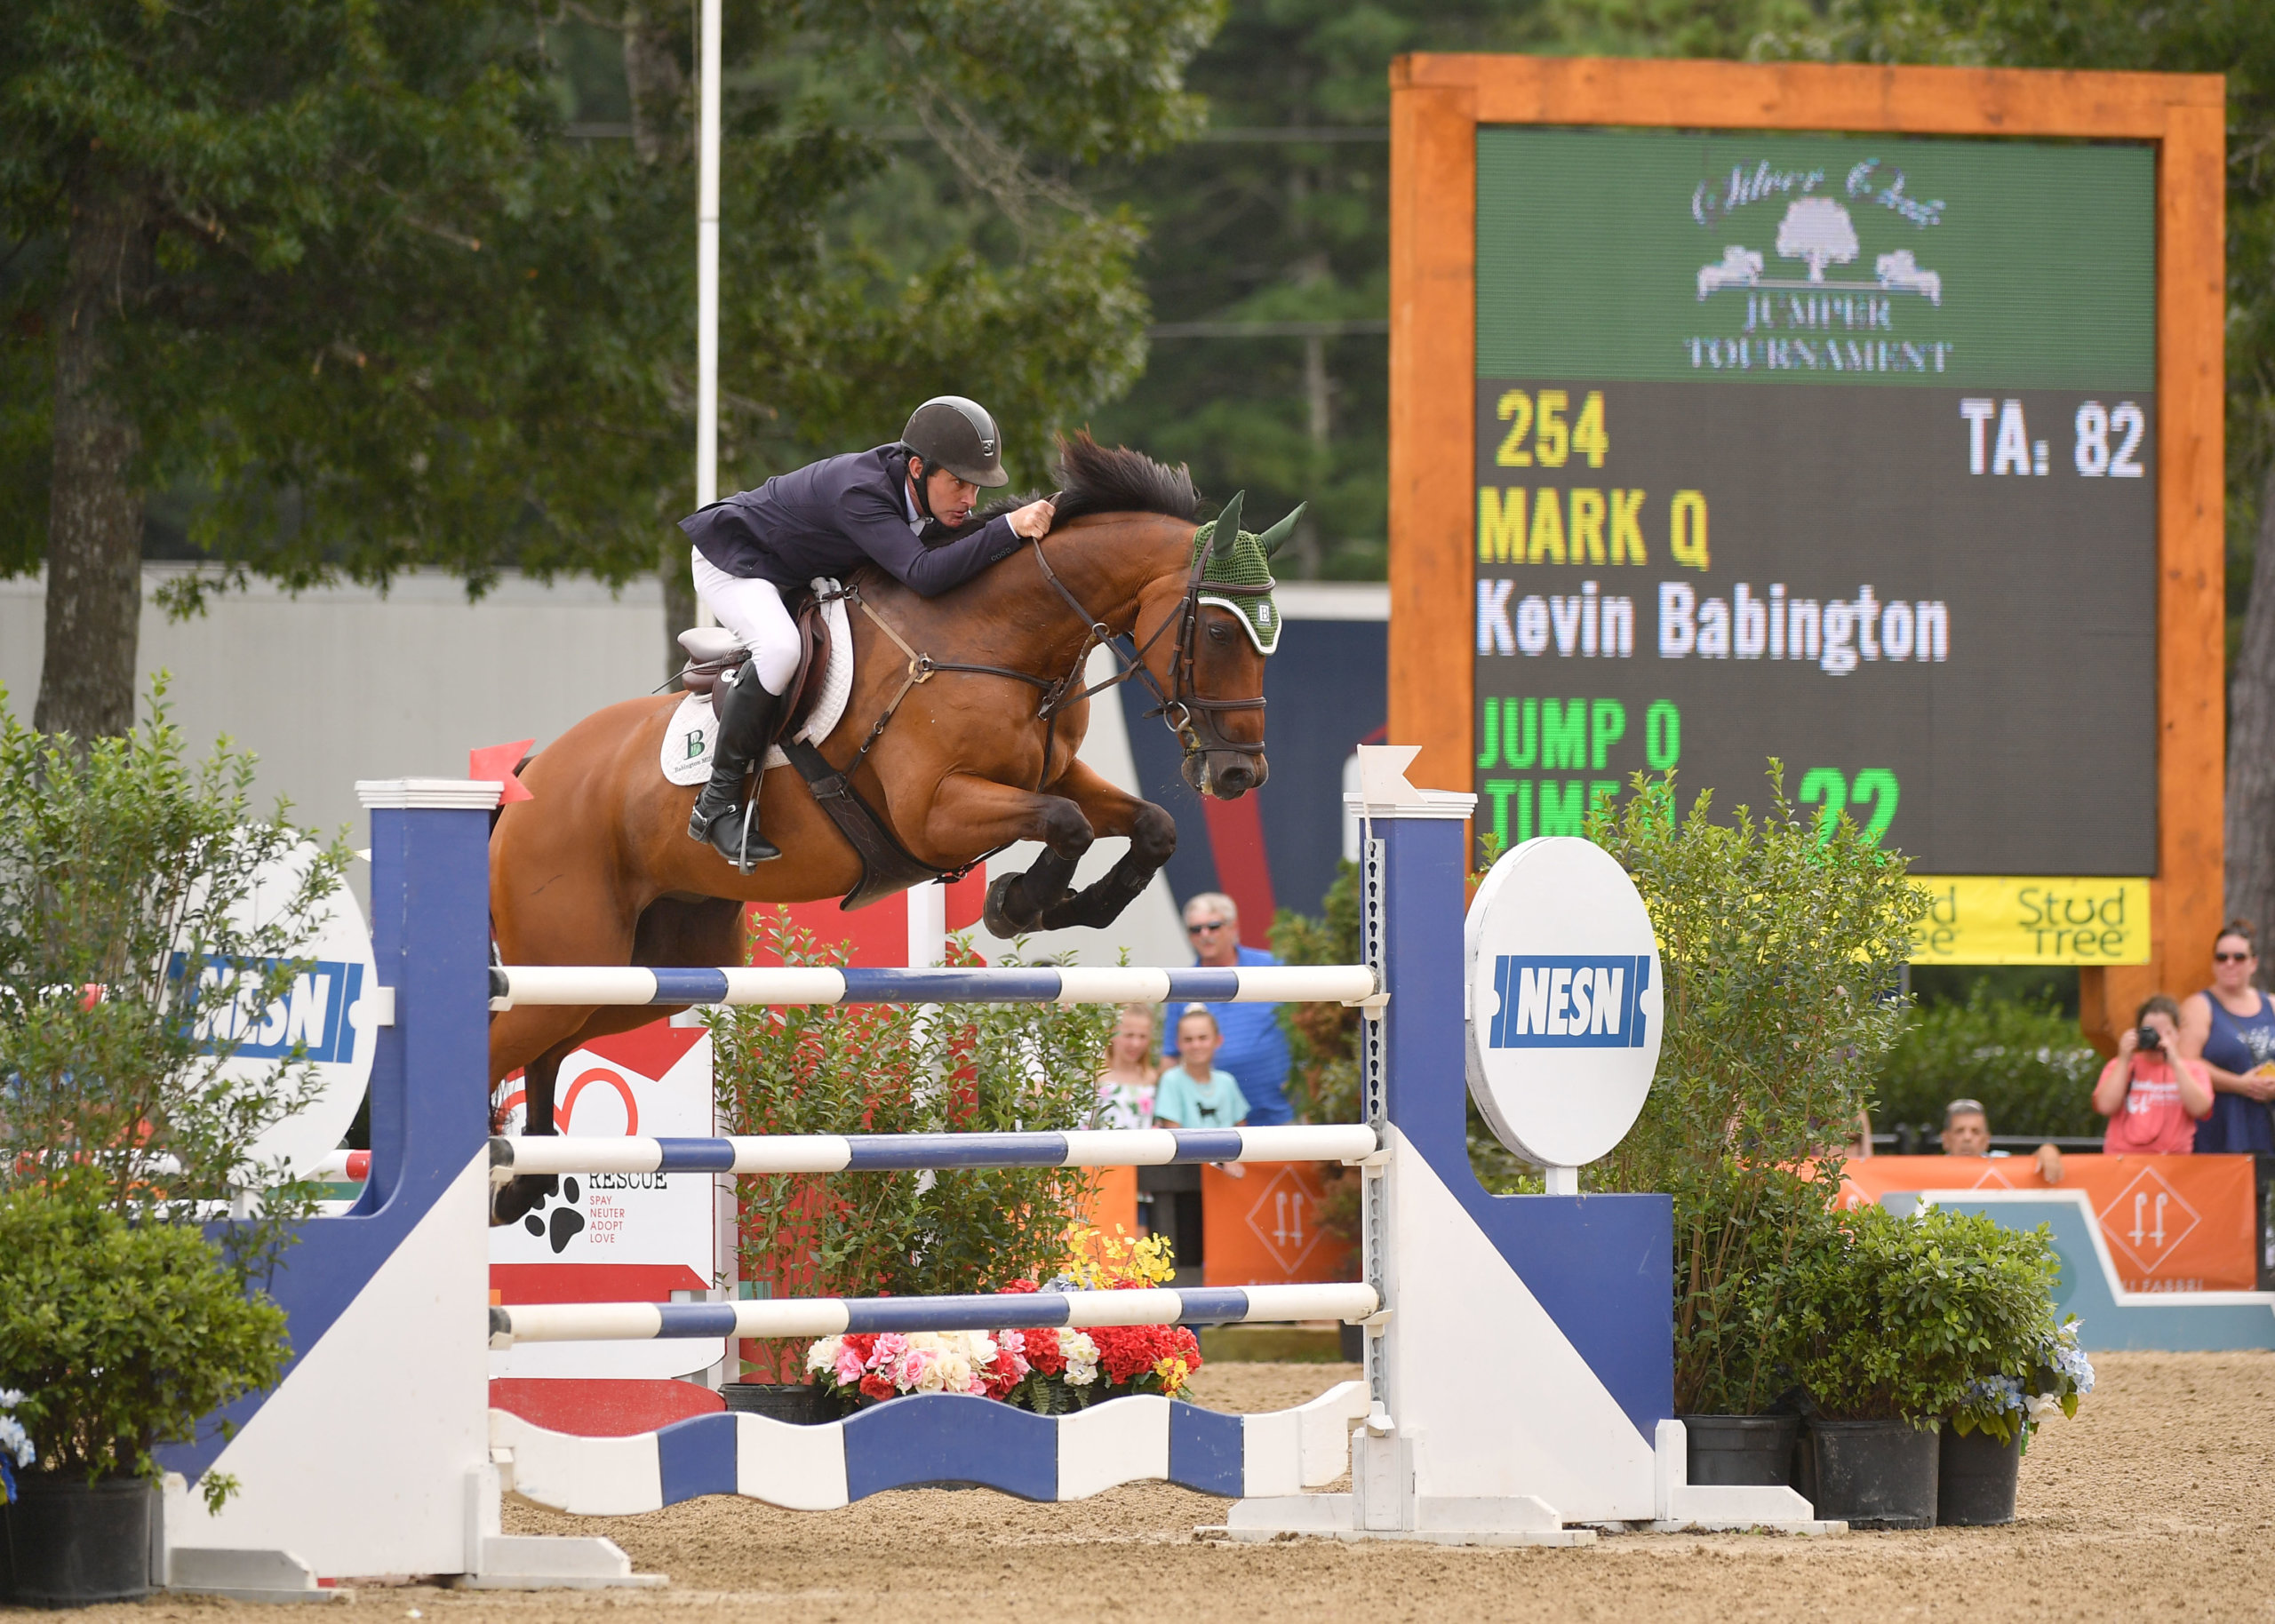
(694, 727)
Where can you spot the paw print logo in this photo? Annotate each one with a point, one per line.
(565, 1223)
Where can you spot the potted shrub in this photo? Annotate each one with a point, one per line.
(1885, 1328)
(115, 1338)
(1986, 1437)
(128, 877)
(1781, 937)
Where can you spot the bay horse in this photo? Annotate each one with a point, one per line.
(597, 867)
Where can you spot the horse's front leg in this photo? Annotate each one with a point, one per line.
(972, 815)
(1111, 812)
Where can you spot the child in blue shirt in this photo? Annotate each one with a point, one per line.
(1191, 1093)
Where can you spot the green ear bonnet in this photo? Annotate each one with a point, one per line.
(1244, 562)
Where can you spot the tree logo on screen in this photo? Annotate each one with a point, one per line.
(1816, 230)
(1809, 317)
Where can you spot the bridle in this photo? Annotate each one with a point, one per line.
(1183, 708)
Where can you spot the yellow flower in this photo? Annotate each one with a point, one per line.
(1174, 1372)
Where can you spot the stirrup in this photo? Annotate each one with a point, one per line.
(738, 839)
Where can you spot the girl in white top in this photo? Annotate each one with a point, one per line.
(1127, 1085)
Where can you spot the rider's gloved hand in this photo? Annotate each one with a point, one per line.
(1033, 521)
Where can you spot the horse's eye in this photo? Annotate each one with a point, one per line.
(1220, 632)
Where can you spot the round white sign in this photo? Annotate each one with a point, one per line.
(1565, 1001)
(329, 1008)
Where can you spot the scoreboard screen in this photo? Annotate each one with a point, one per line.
(1834, 448)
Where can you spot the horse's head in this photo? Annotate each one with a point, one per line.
(1227, 624)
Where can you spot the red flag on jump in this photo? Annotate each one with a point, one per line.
(495, 764)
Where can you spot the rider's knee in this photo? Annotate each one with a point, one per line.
(775, 663)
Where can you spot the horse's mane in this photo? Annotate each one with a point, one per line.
(1096, 478)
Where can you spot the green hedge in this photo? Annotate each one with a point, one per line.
(2027, 1061)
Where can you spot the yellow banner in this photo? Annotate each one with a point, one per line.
(1989, 919)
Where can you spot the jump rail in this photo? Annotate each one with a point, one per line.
(511, 1157)
(567, 1322)
(1353, 985)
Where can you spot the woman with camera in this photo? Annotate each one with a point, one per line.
(2153, 1097)
(2231, 1027)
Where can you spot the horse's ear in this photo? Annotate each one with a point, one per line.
(1228, 526)
(1274, 538)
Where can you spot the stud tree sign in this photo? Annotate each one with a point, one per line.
(1817, 414)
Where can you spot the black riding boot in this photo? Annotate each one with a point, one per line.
(748, 717)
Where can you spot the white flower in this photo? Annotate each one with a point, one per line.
(1081, 1355)
(823, 1354)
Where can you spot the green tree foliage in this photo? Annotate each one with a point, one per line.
(1249, 228)
(333, 268)
(137, 947)
(123, 1336)
(1780, 942)
(902, 1069)
(2024, 1061)
(1894, 1319)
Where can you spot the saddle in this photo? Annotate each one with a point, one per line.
(887, 867)
(712, 652)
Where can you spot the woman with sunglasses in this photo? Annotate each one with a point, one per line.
(2231, 1027)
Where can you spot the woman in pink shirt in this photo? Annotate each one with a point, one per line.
(2153, 1098)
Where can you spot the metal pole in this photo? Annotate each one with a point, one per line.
(707, 272)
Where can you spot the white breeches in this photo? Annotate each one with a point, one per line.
(752, 609)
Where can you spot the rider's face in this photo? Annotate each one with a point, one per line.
(951, 499)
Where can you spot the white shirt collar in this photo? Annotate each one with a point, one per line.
(908, 505)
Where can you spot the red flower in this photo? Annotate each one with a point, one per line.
(1043, 1352)
(1017, 1287)
(873, 1386)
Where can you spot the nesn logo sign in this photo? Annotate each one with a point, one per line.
(1569, 1001)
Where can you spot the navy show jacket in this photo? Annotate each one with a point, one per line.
(832, 517)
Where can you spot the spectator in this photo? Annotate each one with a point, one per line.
(1127, 1085)
(1967, 1132)
(2229, 1027)
(1196, 1093)
(1255, 1049)
(2152, 1094)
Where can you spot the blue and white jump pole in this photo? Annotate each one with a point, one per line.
(1519, 1352)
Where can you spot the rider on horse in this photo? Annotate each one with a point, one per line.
(899, 506)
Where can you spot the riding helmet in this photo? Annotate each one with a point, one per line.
(950, 431)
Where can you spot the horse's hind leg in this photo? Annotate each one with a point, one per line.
(1152, 834)
(524, 1194)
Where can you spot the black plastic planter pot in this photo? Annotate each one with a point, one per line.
(65, 1543)
(1976, 1486)
(1873, 1473)
(796, 1403)
(1740, 1449)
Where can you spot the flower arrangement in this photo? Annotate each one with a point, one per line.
(1050, 1371)
(16, 1448)
(2058, 1374)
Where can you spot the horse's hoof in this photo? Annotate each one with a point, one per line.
(516, 1198)
(1002, 896)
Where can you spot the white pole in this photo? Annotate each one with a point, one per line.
(707, 272)
(927, 924)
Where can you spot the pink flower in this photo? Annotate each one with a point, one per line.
(849, 1367)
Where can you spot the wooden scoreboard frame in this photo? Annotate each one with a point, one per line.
(1437, 104)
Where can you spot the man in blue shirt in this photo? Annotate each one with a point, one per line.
(1255, 1049)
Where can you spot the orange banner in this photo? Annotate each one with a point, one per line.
(1261, 1225)
(2174, 1223)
